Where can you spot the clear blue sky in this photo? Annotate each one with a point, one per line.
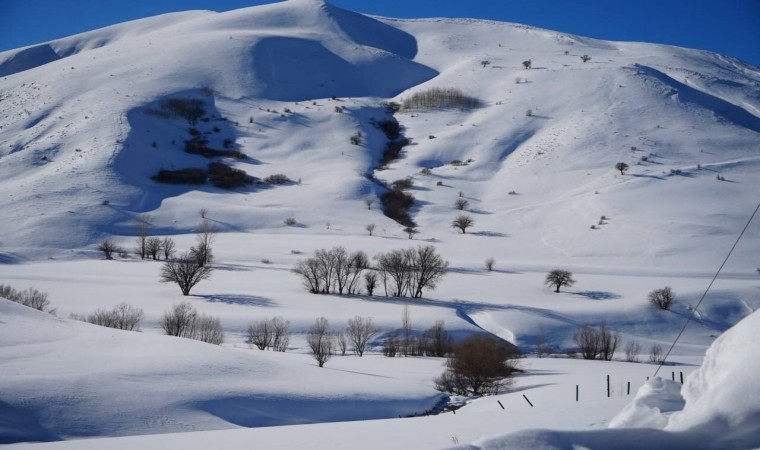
(731, 27)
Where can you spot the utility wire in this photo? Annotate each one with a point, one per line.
(688, 319)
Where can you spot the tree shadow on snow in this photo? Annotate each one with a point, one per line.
(597, 295)
(237, 299)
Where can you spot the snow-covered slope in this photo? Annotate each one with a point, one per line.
(74, 132)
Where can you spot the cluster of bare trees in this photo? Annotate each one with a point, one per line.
(403, 272)
(269, 334)
(441, 98)
(596, 343)
(184, 321)
(122, 317)
(30, 297)
(435, 341)
(333, 271)
(408, 272)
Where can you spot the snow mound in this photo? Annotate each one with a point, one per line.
(722, 409)
(64, 379)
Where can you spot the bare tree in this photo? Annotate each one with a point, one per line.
(260, 333)
(608, 342)
(410, 232)
(360, 331)
(153, 247)
(341, 343)
(321, 341)
(622, 167)
(369, 201)
(485, 62)
(438, 340)
(280, 334)
(479, 365)
(662, 298)
(462, 222)
(142, 227)
(203, 212)
(427, 269)
(586, 338)
(489, 264)
(527, 64)
(359, 262)
(406, 331)
(185, 271)
(108, 247)
(205, 238)
(168, 246)
(310, 271)
(370, 228)
(559, 278)
(655, 355)
(370, 282)
(632, 351)
(461, 204)
(390, 346)
(585, 58)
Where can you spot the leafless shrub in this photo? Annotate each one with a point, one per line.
(410, 232)
(184, 321)
(585, 58)
(30, 297)
(260, 334)
(332, 271)
(108, 247)
(290, 221)
(277, 178)
(190, 109)
(321, 341)
(632, 351)
(369, 201)
(226, 177)
(280, 334)
(622, 167)
(655, 355)
(360, 332)
(479, 365)
(596, 343)
(370, 228)
(356, 139)
(489, 264)
(441, 98)
(122, 317)
(461, 204)
(527, 64)
(662, 298)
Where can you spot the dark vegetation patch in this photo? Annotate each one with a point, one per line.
(190, 109)
(182, 176)
(198, 145)
(441, 98)
(226, 177)
(396, 205)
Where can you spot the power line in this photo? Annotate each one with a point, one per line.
(688, 319)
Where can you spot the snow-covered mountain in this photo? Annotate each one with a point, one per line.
(300, 88)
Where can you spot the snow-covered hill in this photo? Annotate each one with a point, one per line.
(84, 128)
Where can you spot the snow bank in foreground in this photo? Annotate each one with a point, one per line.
(722, 409)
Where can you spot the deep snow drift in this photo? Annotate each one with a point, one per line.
(722, 407)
